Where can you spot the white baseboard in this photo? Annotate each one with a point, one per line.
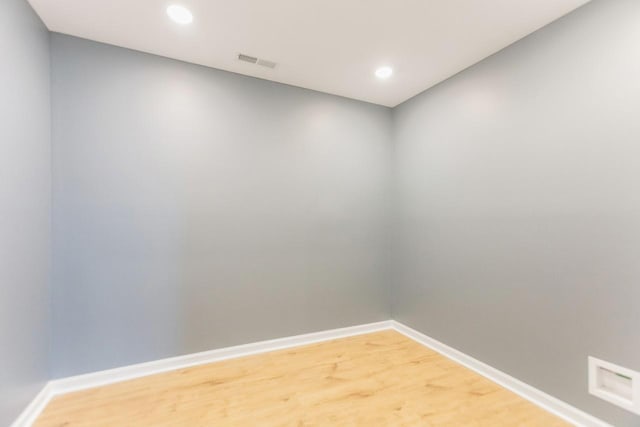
(549, 403)
(33, 410)
(96, 379)
(110, 376)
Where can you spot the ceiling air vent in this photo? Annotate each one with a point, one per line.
(247, 58)
(257, 61)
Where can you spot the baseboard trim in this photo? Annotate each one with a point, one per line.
(101, 378)
(110, 376)
(549, 403)
(33, 410)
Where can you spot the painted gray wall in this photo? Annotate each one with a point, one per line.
(196, 209)
(519, 205)
(25, 206)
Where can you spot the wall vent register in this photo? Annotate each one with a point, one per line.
(615, 384)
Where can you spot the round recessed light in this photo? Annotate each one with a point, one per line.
(179, 14)
(384, 72)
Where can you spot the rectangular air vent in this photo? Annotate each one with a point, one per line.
(258, 61)
(247, 58)
(615, 384)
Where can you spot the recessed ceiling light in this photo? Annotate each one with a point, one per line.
(384, 72)
(180, 14)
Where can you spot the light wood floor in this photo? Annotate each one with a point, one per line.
(379, 379)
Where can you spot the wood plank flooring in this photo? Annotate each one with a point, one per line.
(379, 379)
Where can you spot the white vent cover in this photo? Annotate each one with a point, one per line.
(247, 58)
(615, 384)
(258, 61)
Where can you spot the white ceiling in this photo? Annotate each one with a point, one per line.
(331, 46)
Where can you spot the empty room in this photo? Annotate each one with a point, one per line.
(367, 213)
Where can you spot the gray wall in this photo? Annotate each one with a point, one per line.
(196, 209)
(519, 203)
(25, 206)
